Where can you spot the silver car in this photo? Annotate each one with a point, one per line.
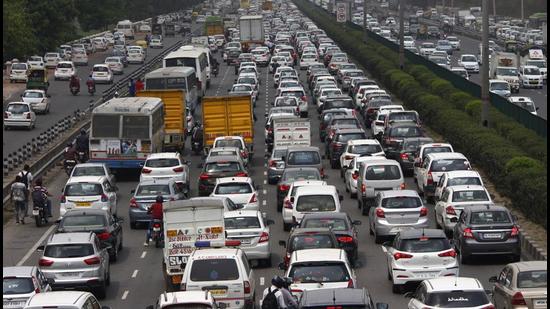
(76, 261)
(396, 210)
(250, 227)
(20, 283)
(275, 165)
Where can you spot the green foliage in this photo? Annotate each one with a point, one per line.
(18, 33)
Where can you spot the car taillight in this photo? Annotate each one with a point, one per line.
(515, 231)
(345, 239)
(402, 186)
(380, 213)
(518, 299)
(467, 233)
(104, 198)
(241, 174)
(350, 284)
(404, 156)
(178, 169)
(423, 211)
(448, 253)
(253, 199)
(336, 146)
(284, 187)
(322, 172)
(156, 225)
(450, 210)
(489, 307)
(430, 179)
(133, 203)
(5, 115)
(103, 236)
(63, 199)
(246, 287)
(45, 262)
(272, 163)
(348, 157)
(363, 188)
(401, 255)
(287, 259)
(244, 154)
(355, 175)
(287, 204)
(353, 112)
(264, 237)
(204, 176)
(146, 170)
(92, 261)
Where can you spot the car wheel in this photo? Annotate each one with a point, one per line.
(397, 288)
(133, 225)
(358, 203)
(120, 243)
(437, 225)
(108, 280)
(267, 262)
(287, 227)
(377, 238)
(101, 292)
(464, 259)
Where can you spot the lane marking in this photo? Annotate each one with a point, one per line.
(125, 294)
(265, 173)
(264, 203)
(264, 192)
(143, 254)
(135, 273)
(262, 281)
(265, 182)
(35, 246)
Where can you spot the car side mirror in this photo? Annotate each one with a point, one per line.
(133, 191)
(382, 306)
(387, 243)
(265, 115)
(515, 217)
(282, 243)
(119, 219)
(340, 197)
(323, 157)
(282, 266)
(357, 222)
(417, 164)
(40, 248)
(48, 95)
(493, 279)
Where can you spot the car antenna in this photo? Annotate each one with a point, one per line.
(165, 296)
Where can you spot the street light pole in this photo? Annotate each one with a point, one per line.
(485, 65)
(365, 21)
(495, 8)
(401, 31)
(522, 17)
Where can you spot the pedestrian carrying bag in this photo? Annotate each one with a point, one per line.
(270, 300)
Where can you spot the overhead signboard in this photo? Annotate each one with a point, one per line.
(342, 12)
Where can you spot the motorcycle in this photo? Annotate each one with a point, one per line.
(197, 141)
(82, 157)
(215, 71)
(75, 90)
(91, 90)
(157, 235)
(69, 165)
(190, 124)
(39, 214)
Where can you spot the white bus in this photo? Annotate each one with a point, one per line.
(126, 27)
(181, 78)
(194, 57)
(124, 131)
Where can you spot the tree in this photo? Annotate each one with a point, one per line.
(19, 39)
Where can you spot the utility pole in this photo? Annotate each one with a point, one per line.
(401, 31)
(495, 9)
(365, 21)
(485, 99)
(522, 17)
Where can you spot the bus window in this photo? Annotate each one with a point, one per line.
(176, 83)
(180, 62)
(158, 121)
(155, 83)
(191, 81)
(105, 126)
(135, 127)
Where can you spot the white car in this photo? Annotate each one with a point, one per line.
(450, 292)
(21, 283)
(433, 167)
(240, 190)
(500, 87)
(64, 70)
(455, 42)
(88, 192)
(419, 254)
(101, 73)
(313, 199)
(469, 62)
(377, 124)
(530, 76)
(324, 93)
(252, 230)
(307, 60)
(233, 141)
(261, 56)
(357, 148)
(288, 201)
(36, 62)
(38, 99)
(454, 199)
(136, 56)
(408, 41)
(79, 57)
(427, 48)
(361, 93)
(524, 102)
(156, 43)
(19, 114)
(457, 178)
(461, 71)
(166, 165)
(110, 38)
(319, 268)
(115, 64)
(246, 89)
(93, 169)
(51, 60)
(19, 72)
(100, 43)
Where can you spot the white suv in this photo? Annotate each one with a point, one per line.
(240, 190)
(166, 165)
(312, 199)
(444, 292)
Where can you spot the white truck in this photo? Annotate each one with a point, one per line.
(504, 66)
(200, 40)
(291, 132)
(185, 223)
(251, 29)
(536, 57)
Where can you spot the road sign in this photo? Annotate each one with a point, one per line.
(341, 12)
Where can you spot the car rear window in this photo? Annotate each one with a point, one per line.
(406, 132)
(403, 116)
(490, 217)
(83, 220)
(100, 69)
(13, 286)
(242, 223)
(311, 241)
(313, 272)
(217, 167)
(364, 149)
(445, 165)
(532, 279)
(214, 153)
(33, 94)
(64, 66)
(68, 250)
(301, 175)
(18, 108)
(470, 196)
(233, 188)
(162, 162)
(383, 172)
(287, 101)
(350, 121)
(334, 224)
(228, 143)
(459, 181)
(402, 202)
(339, 104)
(296, 94)
(424, 244)
(83, 189)
(318, 202)
(457, 299)
(344, 138)
(218, 269)
(88, 171)
(438, 149)
(303, 158)
(153, 190)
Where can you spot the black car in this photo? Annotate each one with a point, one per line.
(218, 167)
(308, 238)
(338, 143)
(486, 230)
(339, 121)
(326, 117)
(339, 298)
(396, 132)
(107, 227)
(405, 152)
(343, 227)
(291, 175)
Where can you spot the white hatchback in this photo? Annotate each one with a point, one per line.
(240, 190)
(19, 114)
(252, 230)
(38, 99)
(314, 199)
(115, 64)
(52, 59)
(166, 165)
(64, 70)
(88, 192)
(101, 73)
(136, 56)
(288, 201)
(357, 148)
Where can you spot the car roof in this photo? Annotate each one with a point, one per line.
(70, 238)
(83, 212)
(161, 155)
(325, 215)
(447, 155)
(233, 180)
(334, 296)
(56, 298)
(467, 188)
(316, 189)
(398, 193)
(456, 174)
(241, 213)
(302, 148)
(18, 271)
(77, 179)
(185, 297)
(322, 255)
(478, 208)
(156, 181)
(414, 233)
(216, 252)
(452, 284)
(530, 265)
(309, 230)
(363, 142)
(235, 158)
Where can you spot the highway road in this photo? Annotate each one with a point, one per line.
(64, 104)
(136, 278)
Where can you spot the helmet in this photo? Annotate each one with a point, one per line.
(82, 131)
(287, 281)
(277, 281)
(38, 181)
(159, 199)
(69, 144)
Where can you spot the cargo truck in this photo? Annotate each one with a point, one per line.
(267, 6)
(536, 57)
(251, 29)
(213, 25)
(291, 132)
(228, 116)
(185, 222)
(504, 66)
(170, 29)
(157, 29)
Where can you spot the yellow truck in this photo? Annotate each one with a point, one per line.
(245, 4)
(213, 25)
(174, 117)
(228, 116)
(267, 6)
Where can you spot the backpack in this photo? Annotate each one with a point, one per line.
(25, 178)
(270, 300)
(38, 198)
(19, 193)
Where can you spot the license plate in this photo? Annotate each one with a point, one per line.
(176, 279)
(35, 212)
(540, 302)
(492, 235)
(83, 204)
(156, 229)
(14, 304)
(70, 274)
(218, 292)
(426, 275)
(246, 241)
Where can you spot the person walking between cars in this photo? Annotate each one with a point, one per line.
(132, 88)
(139, 85)
(19, 195)
(273, 296)
(26, 178)
(290, 301)
(156, 214)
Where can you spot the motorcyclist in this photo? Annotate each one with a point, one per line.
(75, 82)
(90, 82)
(40, 196)
(69, 153)
(82, 143)
(215, 66)
(156, 214)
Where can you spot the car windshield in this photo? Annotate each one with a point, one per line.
(436, 149)
(531, 71)
(334, 224)
(14, 286)
(339, 104)
(469, 59)
(446, 165)
(540, 64)
(303, 158)
(317, 202)
(247, 80)
(238, 223)
(87, 220)
(401, 202)
(233, 188)
(344, 122)
(19, 66)
(33, 94)
(345, 137)
(402, 116)
(383, 172)
(500, 86)
(532, 279)
(470, 196)
(287, 101)
(218, 269)
(428, 45)
(156, 189)
(165, 162)
(83, 189)
(311, 241)
(312, 272)
(228, 143)
(100, 69)
(457, 299)
(460, 181)
(424, 244)
(507, 71)
(414, 145)
(490, 217)
(68, 250)
(214, 153)
(439, 60)
(242, 88)
(88, 171)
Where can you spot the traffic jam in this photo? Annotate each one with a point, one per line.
(305, 184)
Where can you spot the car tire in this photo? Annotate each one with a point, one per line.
(437, 225)
(365, 210)
(266, 262)
(287, 227)
(353, 195)
(358, 203)
(464, 259)
(397, 288)
(133, 225)
(101, 292)
(377, 239)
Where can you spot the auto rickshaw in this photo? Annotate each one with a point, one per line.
(142, 43)
(511, 46)
(38, 79)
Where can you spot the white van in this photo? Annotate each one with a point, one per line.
(375, 176)
(314, 198)
(126, 27)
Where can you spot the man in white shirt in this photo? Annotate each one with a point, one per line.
(277, 284)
